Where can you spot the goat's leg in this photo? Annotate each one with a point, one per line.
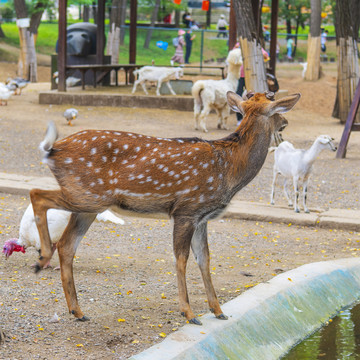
(144, 87)
(136, 83)
(203, 115)
(305, 189)
(183, 233)
(79, 223)
(170, 88)
(296, 190)
(224, 114)
(200, 248)
(197, 111)
(42, 201)
(272, 199)
(286, 192)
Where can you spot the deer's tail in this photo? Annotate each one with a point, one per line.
(50, 137)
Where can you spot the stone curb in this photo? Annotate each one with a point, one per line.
(243, 210)
(268, 320)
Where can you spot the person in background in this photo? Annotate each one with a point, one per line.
(179, 51)
(188, 42)
(241, 83)
(289, 45)
(222, 26)
(186, 18)
(324, 35)
(167, 19)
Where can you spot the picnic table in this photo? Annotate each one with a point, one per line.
(104, 70)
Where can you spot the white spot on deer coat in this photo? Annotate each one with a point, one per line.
(93, 151)
(68, 160)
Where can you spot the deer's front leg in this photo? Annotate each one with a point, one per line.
(183, 233)
(200, 248)
(67, 245)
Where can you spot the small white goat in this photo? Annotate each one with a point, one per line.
(296, 164)
(211, 94)
(157, 74)
(304, 65)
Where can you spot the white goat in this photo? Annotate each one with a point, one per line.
(304, 65)
(296, 164)
(157, 74)
(211, 94)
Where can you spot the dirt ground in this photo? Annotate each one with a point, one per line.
(125, 275)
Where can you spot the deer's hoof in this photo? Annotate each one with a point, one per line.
(297, 210)
(222, 317)
(195, 321)
(307, 211)
(83, 319)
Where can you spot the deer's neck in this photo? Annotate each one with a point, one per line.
(247, 154)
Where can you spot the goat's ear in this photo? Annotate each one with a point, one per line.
(283, 105)
(235, 102)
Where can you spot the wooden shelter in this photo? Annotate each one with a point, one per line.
(100, 38)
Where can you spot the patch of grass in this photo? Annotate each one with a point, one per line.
(6, 56)
(213, 48)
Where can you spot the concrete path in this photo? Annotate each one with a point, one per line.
(332, 219)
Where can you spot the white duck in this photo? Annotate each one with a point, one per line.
(5, 94)
(71, 81)
(57, 222)
(18, 82)
(70, 115)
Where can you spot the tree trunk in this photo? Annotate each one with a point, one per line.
(314, 43)
(355, 17)
(113, 42)
(254, 67)
(27, 65)
(122, 21)
(86, 13)
(94, 11)
(2, 35)
(177, 18)
(152, 24)
(348, 66)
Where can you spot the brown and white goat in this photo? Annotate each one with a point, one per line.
(189, 179)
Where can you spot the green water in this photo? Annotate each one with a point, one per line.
(337, 341)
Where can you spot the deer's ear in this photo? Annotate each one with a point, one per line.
(235, 102)
(283, 105)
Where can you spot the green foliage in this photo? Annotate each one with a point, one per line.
(291, 10)
(7, 12)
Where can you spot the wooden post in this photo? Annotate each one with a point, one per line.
(100, 32)
(349, 125)
(132, 45)
(232, 27)
(62, 46)
(273, 39)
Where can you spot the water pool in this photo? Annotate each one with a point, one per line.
(338, 340)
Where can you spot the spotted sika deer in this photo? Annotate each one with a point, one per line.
(188, 179)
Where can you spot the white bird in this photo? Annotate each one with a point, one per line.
(70, 115)
(71, 81)
(18, 83)
(5, 94)
(57, 222)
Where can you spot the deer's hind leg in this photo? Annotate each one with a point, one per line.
(79, 223)
(200, 248)
(42, 201)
